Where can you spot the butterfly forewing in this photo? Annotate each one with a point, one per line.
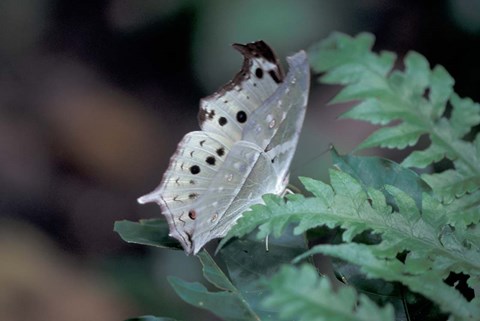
(276, 125)
(227, 111)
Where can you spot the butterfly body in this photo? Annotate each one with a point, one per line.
(250, 130)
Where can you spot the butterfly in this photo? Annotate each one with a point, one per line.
(249, 132)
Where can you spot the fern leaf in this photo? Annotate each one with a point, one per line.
(370, 110)
(452, 183)
(302, 295)
(465, 115)
(464, 211)
(429, 284)
(416, 97)
(399, 136)
(423, 158)
(433, 247)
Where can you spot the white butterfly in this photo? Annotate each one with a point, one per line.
(250, 130)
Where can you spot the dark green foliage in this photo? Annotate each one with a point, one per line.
(300, 294)
(152, 232)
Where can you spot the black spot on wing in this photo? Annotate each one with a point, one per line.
(222, 121)
(192, 196)
(251, 51)
(210, 160)
(274, 76)
(241, 116)
(195, 169)
(204, 114)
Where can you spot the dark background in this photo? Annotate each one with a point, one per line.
(94, 97)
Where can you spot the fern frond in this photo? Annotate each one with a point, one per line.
(300, 294)
(428, 284)
(433, 247)
(416, 97)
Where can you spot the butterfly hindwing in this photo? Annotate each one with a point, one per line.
(198, 158)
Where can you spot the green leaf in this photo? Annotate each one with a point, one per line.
(340, 48)
(465, 115)
(432, 247)
(376, 172)
(423, 158)
(428, 284)
(417, 74)
(441, 88)
(421, 231)
(301, 294)
(268, 216)
(399, 136)
(464, 211)
(451, 184)
(248, 263)
(228, 305)
(415, 98)
(214, 274)
(371, 110)
(153, 232)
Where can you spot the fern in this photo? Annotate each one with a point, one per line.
(435, 230)
(417, 97)
(428, 284)
(433, 248)
(300, 294)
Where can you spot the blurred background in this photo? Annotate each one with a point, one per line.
(94, 97)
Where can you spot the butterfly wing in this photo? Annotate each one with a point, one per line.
(198, 157)
(222, 117)
(227, 111)
(259, 163)
(243, 178)
(276, 125)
